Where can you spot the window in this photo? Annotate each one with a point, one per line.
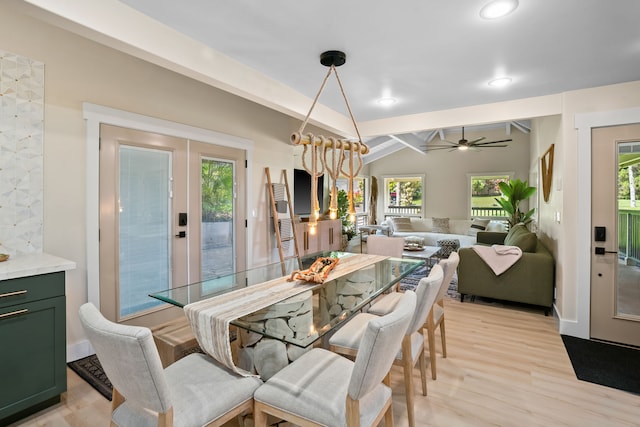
(359, 192)
(483, 190)
(403, 195)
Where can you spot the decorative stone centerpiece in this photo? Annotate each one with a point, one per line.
(294, 318)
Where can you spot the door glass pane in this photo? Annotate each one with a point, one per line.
(144, 227)
(628, 274)
(217, 189)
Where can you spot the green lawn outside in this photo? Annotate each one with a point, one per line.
(625, 204)
(484, 202)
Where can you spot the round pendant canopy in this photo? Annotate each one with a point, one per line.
(333, 57)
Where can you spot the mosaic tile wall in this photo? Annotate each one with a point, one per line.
(21, 158)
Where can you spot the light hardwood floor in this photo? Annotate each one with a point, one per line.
(506, 366)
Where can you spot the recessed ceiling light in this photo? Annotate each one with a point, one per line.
(385, 102)
(498, 8)
(500, 82)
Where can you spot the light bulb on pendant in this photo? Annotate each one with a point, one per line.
(352, 213)
(333, 213)
(312, 229)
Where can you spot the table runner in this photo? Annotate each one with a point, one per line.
(210, 318)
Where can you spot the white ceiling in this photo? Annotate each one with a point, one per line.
(429, 55)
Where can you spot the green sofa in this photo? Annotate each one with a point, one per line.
(530, 280)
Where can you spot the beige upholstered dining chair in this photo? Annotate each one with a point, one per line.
(194, 391)
(383, 245)
(348, 339)
(435, 318)
(322, 388)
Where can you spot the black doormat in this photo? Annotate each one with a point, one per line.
(90, 370)
(609, 365)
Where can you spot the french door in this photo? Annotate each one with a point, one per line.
(169, 216)
(615, 251)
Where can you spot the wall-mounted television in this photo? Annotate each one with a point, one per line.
(302, 192)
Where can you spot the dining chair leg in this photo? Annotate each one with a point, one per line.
(432, 349)
(388, 417)
(259, 416)
(353, 412)
(423, 371)
(407, 366)
(443, 337)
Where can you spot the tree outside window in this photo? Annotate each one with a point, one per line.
(403, 195)
(484, 190)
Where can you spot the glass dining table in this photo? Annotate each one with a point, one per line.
(304, 318)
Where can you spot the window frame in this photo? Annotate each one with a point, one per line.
(386, 199)
(483, 175)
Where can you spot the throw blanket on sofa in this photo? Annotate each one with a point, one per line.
(498, 257)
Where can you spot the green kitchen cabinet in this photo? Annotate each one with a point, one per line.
(32, 344)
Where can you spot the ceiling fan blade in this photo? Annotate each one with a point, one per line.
(477, 140)
(493, 142)
(480, 147)
(441, 147)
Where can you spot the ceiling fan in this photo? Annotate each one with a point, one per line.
(464, 144)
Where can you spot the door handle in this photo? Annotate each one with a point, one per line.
(181, 234)
(602, 251)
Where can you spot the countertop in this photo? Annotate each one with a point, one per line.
(32, 265)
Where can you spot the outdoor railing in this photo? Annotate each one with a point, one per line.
(629, 235)
(488, 212)
(403, 210)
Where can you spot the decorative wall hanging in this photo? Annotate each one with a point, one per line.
(546, 166)
(330, 153)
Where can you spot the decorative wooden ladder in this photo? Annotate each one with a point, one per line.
(278, 199)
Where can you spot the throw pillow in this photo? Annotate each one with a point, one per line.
(477, 225)
(446, 247)
(401, 224)
(521, 237)
(440, 225)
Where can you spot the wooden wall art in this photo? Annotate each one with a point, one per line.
(546, 165)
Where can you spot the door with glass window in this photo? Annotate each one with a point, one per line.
(169, 216)
(615, 248)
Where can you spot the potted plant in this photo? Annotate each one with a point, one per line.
(513, 193)
(348, 228)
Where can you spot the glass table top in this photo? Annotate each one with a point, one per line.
(303, 318)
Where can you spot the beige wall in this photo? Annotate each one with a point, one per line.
(77, 71)
(600, 99)
(447, 189)
(544, 132)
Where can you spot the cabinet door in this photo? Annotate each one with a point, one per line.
(308, 243)
(32, 360)
(329, 235)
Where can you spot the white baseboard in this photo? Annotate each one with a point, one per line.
(79, 350)
(571, 328)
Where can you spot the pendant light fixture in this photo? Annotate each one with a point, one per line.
(322, 154)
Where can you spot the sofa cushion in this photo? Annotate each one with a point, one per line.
(521, 237)
(477, 225)
(401, 224)
(440, 225)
